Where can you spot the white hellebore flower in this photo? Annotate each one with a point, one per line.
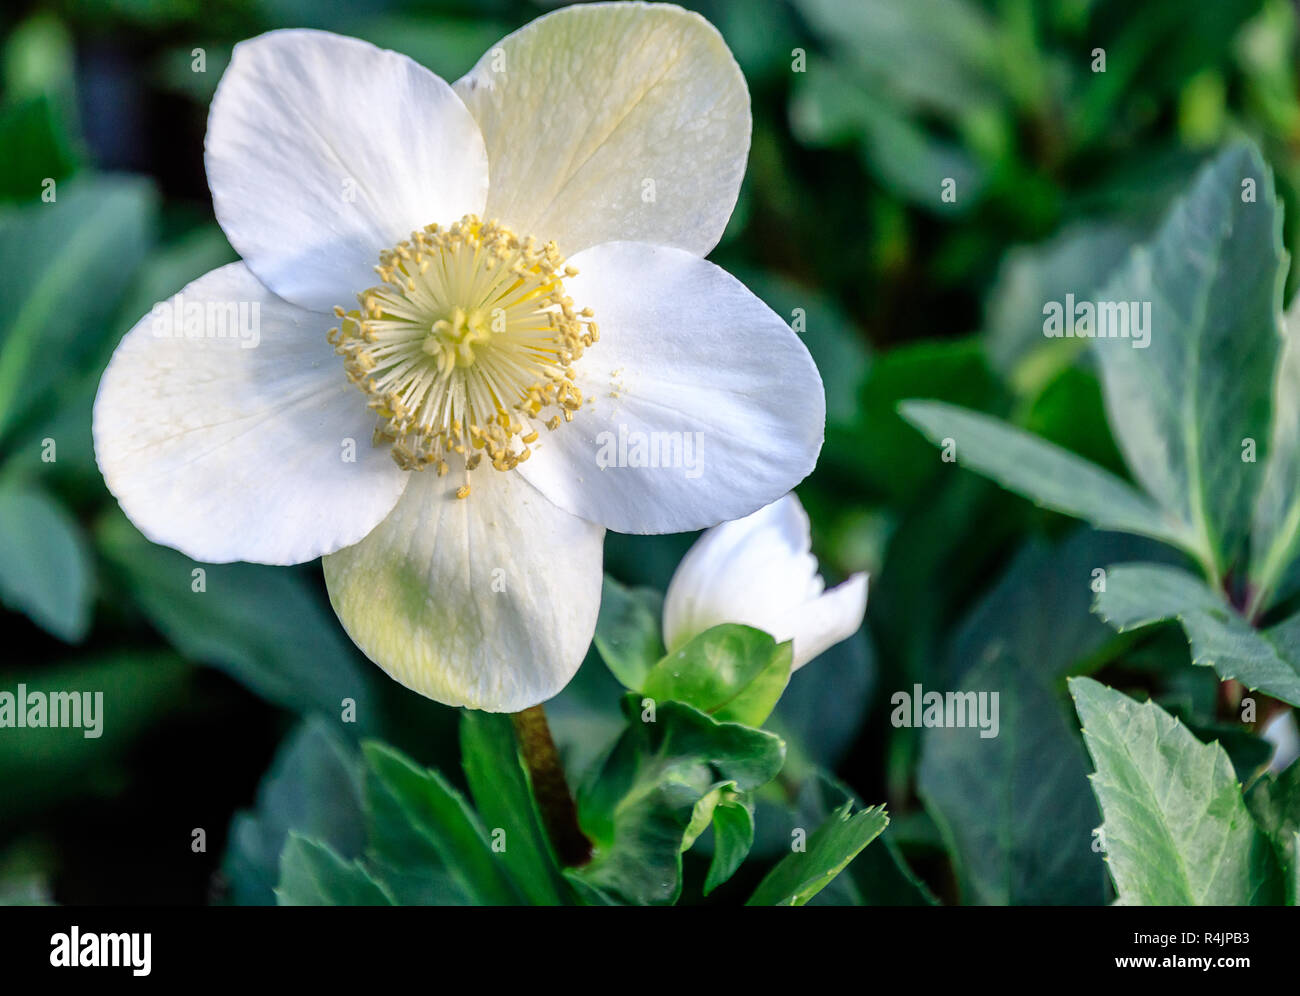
(760, 571)
(455, 434)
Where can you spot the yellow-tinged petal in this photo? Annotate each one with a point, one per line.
(620, 121)
(487, 601)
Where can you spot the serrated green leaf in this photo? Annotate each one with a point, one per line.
(401, 855)
(638, 807)
(879, 875)
(1182, 408)
(1176, 830)
(1043, 472)
(628, 633)
(800, 875)
(734, 673)
(416, 815)
(46, 570)
(1138, 595)
(312, 874)
(503, 795)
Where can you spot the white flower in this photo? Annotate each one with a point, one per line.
(760, 571)
(477, 364)
(1283, 734)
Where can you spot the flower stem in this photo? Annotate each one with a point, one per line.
(551, 791)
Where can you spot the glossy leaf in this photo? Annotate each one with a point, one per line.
(734, 673)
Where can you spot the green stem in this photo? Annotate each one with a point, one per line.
(550, 789)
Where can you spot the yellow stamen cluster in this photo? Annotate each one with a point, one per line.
(469, 341)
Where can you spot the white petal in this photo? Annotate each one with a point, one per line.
(818, 625)
(612, 122)
(488, 601)
(759, 571)
(693, 364)
(227, 452)
(750, 570)
(1282, 733)
(323, 150)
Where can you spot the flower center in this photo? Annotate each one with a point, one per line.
(466, 346)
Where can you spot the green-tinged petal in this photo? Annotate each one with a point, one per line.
(488, 601)
(612, 122)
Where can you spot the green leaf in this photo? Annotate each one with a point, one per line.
(878, 876)
(503, 794)
(313, 788)
(1176, 829)
(46, 570)
(1274, 801)
(1015, 807)
(1248, 753)
(1293, 882)
(628, 633)
(261, 625)
(39, 57)
(38, 148)
(1011, 618)
(422, 814)
(885, 450)
(800, 875)
(1182, 408)
(821, 711)
(312, 874)
(1044, 473)
(91, 237)
(1138, 595)
(831, 104)
(1275, 527)
(940, 56)
(733, 836)
(1077, 260)
(1071, 412)
(734, 673)
(639, 806)
(401, 855)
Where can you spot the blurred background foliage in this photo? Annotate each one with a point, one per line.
(222, 707)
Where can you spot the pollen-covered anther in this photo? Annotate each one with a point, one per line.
(468, 342)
